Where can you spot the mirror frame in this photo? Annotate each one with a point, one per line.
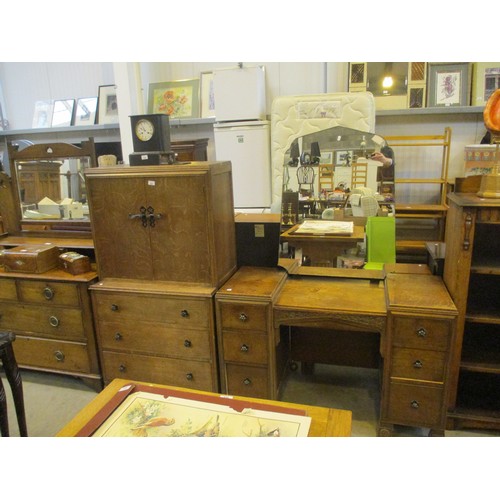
(48, 151)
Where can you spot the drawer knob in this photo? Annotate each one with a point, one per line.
(122, 368)
(187, 343)
(54, 321)
(59, 356)
(244, 348)
(417, 364)
(118, 336)
(421, 332)
(189, 376)
(184, 313)
(114, 307)
(48, 293)
(247, 381)
(415, 404)
(243, 317)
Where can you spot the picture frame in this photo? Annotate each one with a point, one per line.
(85, 111)
(42, 117)
(485, 79)
(207, 95)
(343, 158)
(449, 84)
(178, 99)
(107, 105)
(326, 158)
(62, 112)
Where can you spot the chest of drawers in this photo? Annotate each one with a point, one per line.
(157, 332)
(51, 315)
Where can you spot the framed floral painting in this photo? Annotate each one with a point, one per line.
(178, 99)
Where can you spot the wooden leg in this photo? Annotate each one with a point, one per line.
(4, 419)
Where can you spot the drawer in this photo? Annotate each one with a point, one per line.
(158, 370)
(156, 338)
(51, 354)
(418, 364)
(245, 347)
(44, 321)
(421, 333)
(242, 316)
(176, 311)
(7, 289)
(415, 404)
(42, 292)
(249, 381)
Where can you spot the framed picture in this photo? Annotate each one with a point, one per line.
(449, 84)
(85, 111)
(42, 118)
(343, 158)
(62, 114)
(326, 158)
(178, 99)
(207, 97)
(485, 80)
(107, 107)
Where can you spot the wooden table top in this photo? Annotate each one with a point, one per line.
(357, 235)
(325, 422)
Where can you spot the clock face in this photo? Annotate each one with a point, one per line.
(144, 130)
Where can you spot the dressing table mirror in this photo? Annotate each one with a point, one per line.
(48, 187)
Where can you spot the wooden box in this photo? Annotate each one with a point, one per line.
(74, 263)
(31, 258)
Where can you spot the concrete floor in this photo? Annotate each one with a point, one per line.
(53, 400)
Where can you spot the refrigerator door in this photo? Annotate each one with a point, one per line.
(248, 147)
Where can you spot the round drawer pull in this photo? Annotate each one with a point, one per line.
(114, 307)
(122, 368)
(415, 404)
(187, 343)
(59, 356)
(417, 364)
(118, 336)
(244, 348)
(421, 332)
(189, 376)
(243, 317)
(247, 381)
(184, 313)
(54, 321)
(48, 293)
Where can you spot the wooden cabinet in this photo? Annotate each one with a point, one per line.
(51, 315)
(170, 223)
(193, 150)
(156, 332)
(420, 333)
(472, 275)
(251, 359)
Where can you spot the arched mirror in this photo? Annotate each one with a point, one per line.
(49, 186)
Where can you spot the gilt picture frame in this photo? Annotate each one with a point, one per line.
(178, 99)
(449, 84)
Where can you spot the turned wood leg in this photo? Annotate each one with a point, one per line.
(4, 420)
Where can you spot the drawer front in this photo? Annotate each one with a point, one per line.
(181, 312)
(242, 316)
(41, 292)
(46, 321)
(422, 333)
(51, 354)
(245, 347)
(249, 381)
(7, 289)
(155, 338)
(418, 364)
(413, 404)
(157, 370)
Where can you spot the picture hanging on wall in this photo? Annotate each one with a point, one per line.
(449, 84)
(62, 114)
(42, 117)
(107, 108)
(85, 112)
(178, 99)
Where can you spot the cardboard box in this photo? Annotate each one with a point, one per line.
(49, 207)
(31, 258)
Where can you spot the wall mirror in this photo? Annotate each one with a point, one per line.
(319, 173)
(49, 186)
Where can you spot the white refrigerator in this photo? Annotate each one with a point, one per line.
(242, 134)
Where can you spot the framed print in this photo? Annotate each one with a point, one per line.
(485, 80)
(207, 97)
(343, 158)
(178, 99)
(107, 105)
(62, 113)
(42, 117)
(326, 158)
(449, 84)
(85, 111)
